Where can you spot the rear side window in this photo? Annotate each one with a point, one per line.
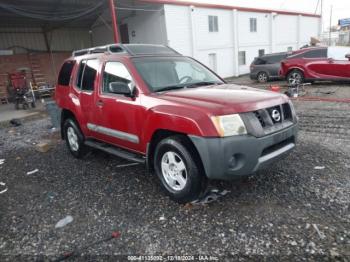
(87, 74)
(316, 53)
(65, 73)
(259, 61)
(276, 59)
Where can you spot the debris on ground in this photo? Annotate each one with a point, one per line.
(319, 167)
(210, 196)
(43, 147)
(63, 222)
(3, 188)
(32, 172)
(15, 122)
(320, 234)
(2, 161)
(77, 252)
(162, 218)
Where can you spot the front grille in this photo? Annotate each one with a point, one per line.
(268, 120)
(274, 115)
(260, 118)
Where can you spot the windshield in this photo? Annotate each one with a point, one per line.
(170, 73)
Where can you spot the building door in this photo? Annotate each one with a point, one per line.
(213, 62)
(124, 33)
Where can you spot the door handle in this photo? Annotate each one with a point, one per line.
(100, 103)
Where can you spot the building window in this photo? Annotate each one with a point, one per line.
(261, 52)
(290, 49)
(253, 25)
(213, 62)
(213, 23)
(241, 58)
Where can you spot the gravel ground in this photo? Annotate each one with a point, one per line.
(291, 210)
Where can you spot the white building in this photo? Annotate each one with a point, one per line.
(225, 38)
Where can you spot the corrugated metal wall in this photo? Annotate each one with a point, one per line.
(20, 39)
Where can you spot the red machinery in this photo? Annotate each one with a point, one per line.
(23, 94)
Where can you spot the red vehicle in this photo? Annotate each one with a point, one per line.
(317, 63)
(151, 105)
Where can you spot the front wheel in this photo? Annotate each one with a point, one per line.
(74, 138)
(295, 77)
(179, 170)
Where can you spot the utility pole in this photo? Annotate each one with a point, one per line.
(330, 26)
(322, 16)
(114, 21)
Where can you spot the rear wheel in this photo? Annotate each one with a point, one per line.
(262, 77)
(179, 170)
(74, 138)
(295, 77)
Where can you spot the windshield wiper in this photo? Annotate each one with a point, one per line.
(203, 83)
(190, 85)
(168, 88)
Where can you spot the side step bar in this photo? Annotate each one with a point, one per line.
(116, 151)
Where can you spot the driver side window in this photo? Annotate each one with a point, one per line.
(115, 72)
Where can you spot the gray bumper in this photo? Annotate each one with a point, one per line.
(253, 76)
(231, 157)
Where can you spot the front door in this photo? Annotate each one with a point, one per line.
(119, 119)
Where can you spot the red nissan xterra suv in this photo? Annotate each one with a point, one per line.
(149, 104)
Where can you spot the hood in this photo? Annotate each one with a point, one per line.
(225, 99)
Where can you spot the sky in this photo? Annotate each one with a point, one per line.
(341, 8)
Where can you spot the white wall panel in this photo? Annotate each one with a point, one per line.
(309, 28)
(178, 25)
(247, 38)
(286, 29)
(213, 40)
(147, 28)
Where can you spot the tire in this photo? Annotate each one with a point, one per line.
(16, 105)
(262, 77)
(295, 77)
(179, 170)
(74, 138)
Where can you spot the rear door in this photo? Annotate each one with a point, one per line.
(85, 86)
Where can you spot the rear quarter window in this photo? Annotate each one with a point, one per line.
(276, 59)
(259, 61)
(65, 73)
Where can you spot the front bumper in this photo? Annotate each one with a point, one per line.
(231, 157)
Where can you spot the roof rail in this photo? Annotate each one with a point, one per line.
(114, 48)
(131, 49)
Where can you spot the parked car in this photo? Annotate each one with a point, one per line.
(317, 63)
(151, 105)
(266, 67)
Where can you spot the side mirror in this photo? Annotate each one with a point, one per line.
(120, 88)
(347, 56)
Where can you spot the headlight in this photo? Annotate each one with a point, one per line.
(229, 125)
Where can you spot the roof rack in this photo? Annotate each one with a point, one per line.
(114, 48)
(131, 49)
